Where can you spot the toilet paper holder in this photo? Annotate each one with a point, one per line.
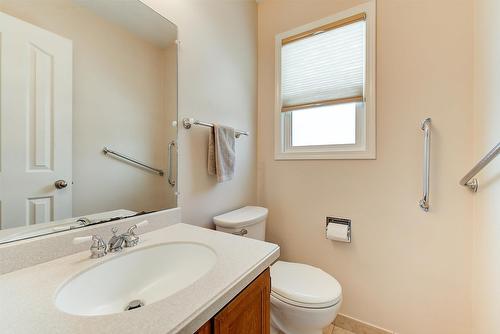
(341, 221)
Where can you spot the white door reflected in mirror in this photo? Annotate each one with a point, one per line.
(36, 123)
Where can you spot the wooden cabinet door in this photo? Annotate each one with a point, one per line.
(249, 312)
(206, 328)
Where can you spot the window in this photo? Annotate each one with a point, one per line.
(325, 125)
(325, 106)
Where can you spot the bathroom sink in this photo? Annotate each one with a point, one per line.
(135, 279)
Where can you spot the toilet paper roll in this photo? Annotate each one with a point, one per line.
(338, 232)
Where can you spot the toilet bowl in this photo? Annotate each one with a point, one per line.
(292, 320)
(304, 299)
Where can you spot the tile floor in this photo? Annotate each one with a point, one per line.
(335, 330)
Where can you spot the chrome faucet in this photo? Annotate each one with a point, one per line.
(127, 239)
(115, 244)
(84, 221)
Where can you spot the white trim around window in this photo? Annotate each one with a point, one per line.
(365, 146)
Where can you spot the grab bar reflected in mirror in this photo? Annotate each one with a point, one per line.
(426, 127)
(107, 151)
(170, 178)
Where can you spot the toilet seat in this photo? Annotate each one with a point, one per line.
(304, 286)
(304, 305)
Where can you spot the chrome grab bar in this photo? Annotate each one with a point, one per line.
(171, 181)
(107, 151)
(188, 122)
(468, 180)
(426, 127)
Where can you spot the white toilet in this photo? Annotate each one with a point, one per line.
(304, 299)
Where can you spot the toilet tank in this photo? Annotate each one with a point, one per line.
(249, 221)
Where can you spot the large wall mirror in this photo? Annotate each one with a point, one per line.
(88, 107)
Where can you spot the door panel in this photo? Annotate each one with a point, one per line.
(40, 131)
(35, 123)
(39, 210)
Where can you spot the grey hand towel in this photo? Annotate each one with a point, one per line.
(221, 155)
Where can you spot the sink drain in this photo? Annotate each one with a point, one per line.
(134, 304)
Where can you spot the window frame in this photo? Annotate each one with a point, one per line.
(365, 147)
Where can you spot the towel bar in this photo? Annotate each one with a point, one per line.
(188, 122)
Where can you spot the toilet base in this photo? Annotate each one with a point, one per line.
(291, 319)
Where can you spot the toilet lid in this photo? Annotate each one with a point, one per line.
(241, 217)
(304, 285)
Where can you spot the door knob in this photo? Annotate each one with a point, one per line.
(60, 184)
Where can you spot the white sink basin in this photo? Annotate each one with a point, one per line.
(147, 275)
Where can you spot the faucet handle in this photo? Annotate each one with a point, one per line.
(98, 247)
(131, 238)
(81, 240)
(133, 227)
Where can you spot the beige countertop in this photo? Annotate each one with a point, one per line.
(27, 295)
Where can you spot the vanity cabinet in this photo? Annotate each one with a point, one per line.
(247, 313)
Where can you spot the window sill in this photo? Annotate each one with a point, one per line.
(363, 155)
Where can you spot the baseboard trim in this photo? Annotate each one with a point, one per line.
(357, 326)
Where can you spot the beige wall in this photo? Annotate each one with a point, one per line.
(405, 270)
(119, 101)
(486, 288)
(217, 83)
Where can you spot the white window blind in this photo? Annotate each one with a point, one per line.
(324, 66)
